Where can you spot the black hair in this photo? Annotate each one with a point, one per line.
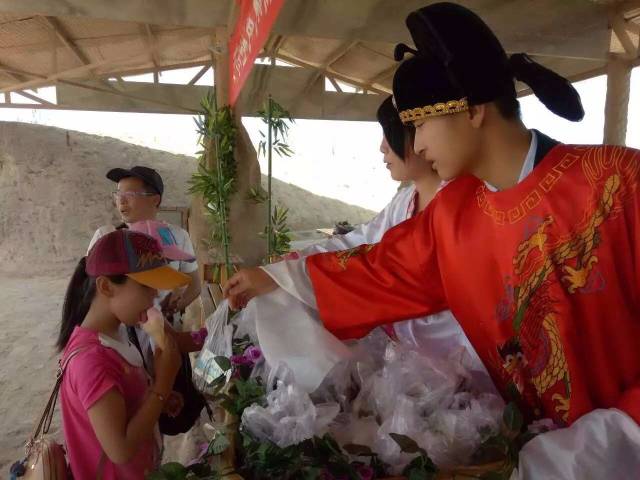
(409, 140)
(508, 106)
(151, 189)
(80, 293)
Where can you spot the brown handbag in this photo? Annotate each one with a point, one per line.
(45, 458)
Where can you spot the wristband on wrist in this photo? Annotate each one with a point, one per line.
(159, 396)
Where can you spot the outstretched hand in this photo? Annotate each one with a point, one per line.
(246, 284)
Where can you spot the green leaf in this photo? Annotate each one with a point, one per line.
(512, 418)
(156, 476)
(358, 450)
(419, 474)
(420, 467)
(173, 471)
(407, 444)
(200, 470)
(223, 362)
(262, 452)
(218, 381)
(219, 444)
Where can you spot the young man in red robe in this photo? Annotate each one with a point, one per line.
(533, 245)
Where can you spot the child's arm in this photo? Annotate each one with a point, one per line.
(120, 440)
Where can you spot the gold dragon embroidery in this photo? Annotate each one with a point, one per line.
(534, 321)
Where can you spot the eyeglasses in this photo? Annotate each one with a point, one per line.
(118, 195)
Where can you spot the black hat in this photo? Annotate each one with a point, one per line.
(393, 129)
(146, 174)
(463, 63)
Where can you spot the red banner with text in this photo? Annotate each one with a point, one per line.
(251, 32)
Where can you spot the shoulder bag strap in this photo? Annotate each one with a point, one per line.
(47, 416)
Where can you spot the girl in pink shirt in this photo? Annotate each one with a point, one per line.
(110, 409)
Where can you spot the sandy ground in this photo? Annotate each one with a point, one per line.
(29, 315)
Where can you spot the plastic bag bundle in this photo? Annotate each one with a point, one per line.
(290, 416)
(428, 383)
(217, 343)
(405, 420)
(446, 405)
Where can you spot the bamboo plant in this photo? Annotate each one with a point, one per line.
(278, 121)
(215, 178)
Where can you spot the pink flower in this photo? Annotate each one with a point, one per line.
(240, 360)
(291, 256)
(204, 448)
(253, 353)
(365, 472)
(200, 336)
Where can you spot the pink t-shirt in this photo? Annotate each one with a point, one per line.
(89, 376)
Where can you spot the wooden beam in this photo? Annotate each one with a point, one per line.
(35, 98)
(276, 44)
(11, 73)
(142, 71)
(384, 74)
(152, 101)
(335, 84)
(197, 13)
(333, 57)
(338, 76)
(199, 75)
(220, 59)
(43, 80)
(619, 28)
(84, 69)
(66, 39)
(152, 43)
(111, 91)
(272, 47)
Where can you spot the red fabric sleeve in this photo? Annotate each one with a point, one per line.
(371, 285)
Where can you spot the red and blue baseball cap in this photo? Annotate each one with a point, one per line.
(165, 237)
(136, 255)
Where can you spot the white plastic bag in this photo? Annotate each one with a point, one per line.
(290, 332)
(289, 417)
(217, 343)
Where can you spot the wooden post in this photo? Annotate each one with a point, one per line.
(617, 102)
(220, 56)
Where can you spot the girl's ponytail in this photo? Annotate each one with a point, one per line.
(80, 294)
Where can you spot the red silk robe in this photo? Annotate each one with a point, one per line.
(543, 278)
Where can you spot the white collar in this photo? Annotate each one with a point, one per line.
(125, 349)
(529, 161)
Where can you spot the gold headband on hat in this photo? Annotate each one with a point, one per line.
(419, 113)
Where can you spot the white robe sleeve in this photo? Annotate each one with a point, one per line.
(395, 212)
(603, 444)
(292, 276)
